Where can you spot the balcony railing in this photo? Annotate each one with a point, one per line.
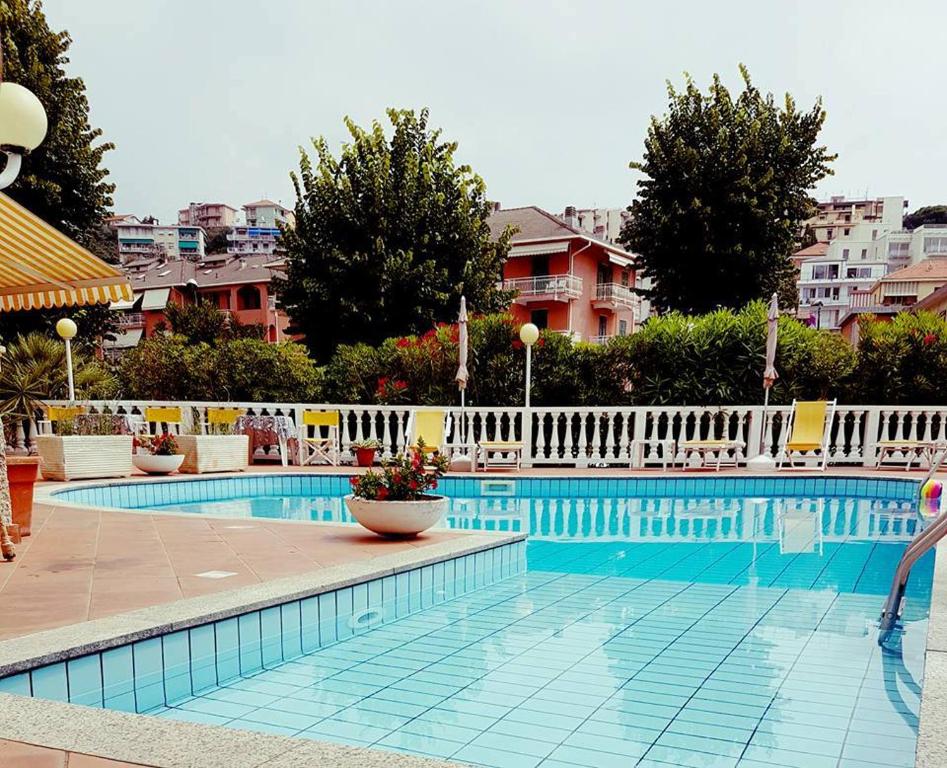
(615, 296)
(601, 339)
(131, 320)
(545, 287)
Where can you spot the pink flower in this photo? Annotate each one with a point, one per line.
(930, 339)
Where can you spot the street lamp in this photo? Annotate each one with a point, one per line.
(67, 329)
(529, 335)
(22, 127)
(818, 313)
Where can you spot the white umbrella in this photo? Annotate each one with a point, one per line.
(461, 375)
(769, 376)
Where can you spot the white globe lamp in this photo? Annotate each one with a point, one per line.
(23, 127)
(529, 335)
(67, 330)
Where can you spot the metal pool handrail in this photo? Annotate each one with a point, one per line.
(916, 549)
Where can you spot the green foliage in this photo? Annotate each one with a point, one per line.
(929, 214)
(203, 322)
(387, 237)
(216, 240)
(903, 361)
(168, 367)
(63, 180)
(726, 182)
(33, 370)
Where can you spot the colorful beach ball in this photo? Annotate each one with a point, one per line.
(932, 489)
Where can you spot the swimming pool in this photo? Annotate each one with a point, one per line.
(698, 621)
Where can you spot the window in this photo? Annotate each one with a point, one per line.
(248, 297)
(848, 217)
(539, 318)
(602, 325)
(540, 265)
(624, 277)
(845, 252)
(604, 274)
(846, 231)
(935, 246)
(864, 254)
(825, 272)
(830, 233)
(899, 250)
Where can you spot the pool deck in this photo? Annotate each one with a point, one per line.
(83, 565)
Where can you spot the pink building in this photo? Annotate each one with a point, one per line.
(565, 279)
(207, 215)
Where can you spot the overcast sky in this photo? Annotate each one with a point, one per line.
(548, 99)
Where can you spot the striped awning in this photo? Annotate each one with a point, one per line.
(41, 268)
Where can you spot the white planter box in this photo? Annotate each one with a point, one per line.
(80, 457)
(397, 518)
(214, 453)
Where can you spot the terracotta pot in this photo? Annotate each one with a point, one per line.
(157, 465)
(364, 457)
(398, 519)
(22, 472)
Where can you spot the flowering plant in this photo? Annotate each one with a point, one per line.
(404, 477)
(366, 445)
(157, 445)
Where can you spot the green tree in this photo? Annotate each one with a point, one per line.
(929, 214)
(63, 181)
(387, 237)
(726, 181)
(203, 322)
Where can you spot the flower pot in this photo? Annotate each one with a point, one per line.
(157, 465)
(365, 457)
(22, 472)
(82, 457)
(400, 519)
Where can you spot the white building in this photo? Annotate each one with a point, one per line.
(261, 232)
(836, 218)
(138, 239)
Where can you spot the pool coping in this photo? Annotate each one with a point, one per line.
(155, 741)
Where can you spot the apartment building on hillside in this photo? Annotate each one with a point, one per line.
(208, 215)
(836, 217)
(139, 239)
(566, 279)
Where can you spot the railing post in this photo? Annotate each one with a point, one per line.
(870, 440)
(754, 445)
(526, 425)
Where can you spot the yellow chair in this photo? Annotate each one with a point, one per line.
(171, 416)
(323, 441)
(431, 427)
(59, 413)
(808, 428)
(220, 419)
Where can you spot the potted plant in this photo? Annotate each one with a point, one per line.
(157, 454)
(395, 502)
(365, 452)
(91, 445)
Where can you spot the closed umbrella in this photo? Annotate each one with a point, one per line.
(769, 372)
(461, 375)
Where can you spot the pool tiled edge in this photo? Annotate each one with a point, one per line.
(932, 733)
(439, 571)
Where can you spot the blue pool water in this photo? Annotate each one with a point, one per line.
(708, 623)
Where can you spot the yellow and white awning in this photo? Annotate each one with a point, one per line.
(41, 268)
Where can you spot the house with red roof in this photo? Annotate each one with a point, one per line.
(564, 278)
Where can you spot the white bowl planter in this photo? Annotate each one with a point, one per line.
(157, 465)
(214, 453)
(80, 457)
(397, 518)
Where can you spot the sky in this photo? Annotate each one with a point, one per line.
(549, 100)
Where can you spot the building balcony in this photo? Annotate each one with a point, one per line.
(131, 320)
(564, 287)
(601, 339)
(614, 296)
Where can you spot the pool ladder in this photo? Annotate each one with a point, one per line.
(918, 547)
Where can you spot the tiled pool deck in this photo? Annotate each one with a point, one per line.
(84, 564)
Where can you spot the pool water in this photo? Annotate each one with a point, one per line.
(696, 629)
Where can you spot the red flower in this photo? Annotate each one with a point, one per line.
(403, 342)
(434, 483)
(401, 384)
(413, 485)
(541, 342)
(353, 481)
(382, 493)
(517, 344)
(930, 339)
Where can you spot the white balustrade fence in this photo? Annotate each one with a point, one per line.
(583, 436)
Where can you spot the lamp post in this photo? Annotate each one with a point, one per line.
(818, 314)
(67, 329)
(529, 335)
(22, 126)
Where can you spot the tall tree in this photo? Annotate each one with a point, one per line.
(929, 214)
(726, 182)
(62, 181)
(387, 237)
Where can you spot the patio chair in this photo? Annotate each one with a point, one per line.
(808, 428)
(912, 449)
(431, 427)
(219, 419)
(322, 442)
(172, 417)
(718, 448)
(56, 414)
